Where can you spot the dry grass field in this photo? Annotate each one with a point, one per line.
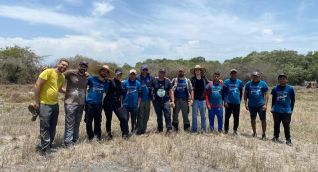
(158, 152)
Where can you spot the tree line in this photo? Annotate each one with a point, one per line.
(20, 65)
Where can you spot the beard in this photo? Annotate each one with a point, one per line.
(61, 69)
(181, 75)
(82, 71)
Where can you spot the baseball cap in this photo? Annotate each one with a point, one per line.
(282, 75)
(162, 70)
(118, 71)
(132, 71)
(84, 63)
(233, 70)
(144, 66)
(255, 74)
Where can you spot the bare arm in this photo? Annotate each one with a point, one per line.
(37, 88)
(245, 99)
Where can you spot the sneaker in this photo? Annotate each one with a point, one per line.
(264, 137)
(125, 137)
(254, 135)
(35, 112)
(235, 133)
(289, 143)
(109, 136)
(275, 139)
(226, 132)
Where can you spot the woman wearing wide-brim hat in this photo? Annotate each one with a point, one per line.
(105, 67)
(203, 70)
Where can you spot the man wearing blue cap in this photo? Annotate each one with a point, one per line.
(146, 93)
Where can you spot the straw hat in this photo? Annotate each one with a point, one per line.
(203, 70)
(106, 67)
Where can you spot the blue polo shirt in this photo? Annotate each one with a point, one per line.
(96, 90)
(233, 90)
(283, 99)
(132, 90)
(255, 93)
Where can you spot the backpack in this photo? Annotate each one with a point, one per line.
(176, 80)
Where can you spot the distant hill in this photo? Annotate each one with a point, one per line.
(21, 65)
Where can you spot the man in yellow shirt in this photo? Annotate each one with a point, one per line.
(46, 90)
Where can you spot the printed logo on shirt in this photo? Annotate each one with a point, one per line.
(98, 87)
(233, 88)
(255, 90)
(281, 96)
(131, 89)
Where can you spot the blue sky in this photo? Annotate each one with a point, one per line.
(127, 31)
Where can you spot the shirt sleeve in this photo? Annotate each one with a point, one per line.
(44, 75)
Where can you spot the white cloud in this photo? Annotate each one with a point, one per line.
(268, 32)
(81, 24)
(101, 8)
(170, 31)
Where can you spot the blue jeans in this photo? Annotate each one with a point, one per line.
(201, 106)
(163, 106)
(219, 113)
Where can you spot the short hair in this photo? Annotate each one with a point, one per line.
(64, 60)
(217, 73)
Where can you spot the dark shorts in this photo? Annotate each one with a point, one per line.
(259, 111)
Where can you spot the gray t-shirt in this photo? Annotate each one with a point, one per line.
(76, 85)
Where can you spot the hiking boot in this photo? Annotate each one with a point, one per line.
(35, 112)
(289, 143)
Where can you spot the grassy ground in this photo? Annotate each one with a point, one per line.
(158, 152)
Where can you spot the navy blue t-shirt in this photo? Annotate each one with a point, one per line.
(283, 99)
(255, 93)
(233, 91)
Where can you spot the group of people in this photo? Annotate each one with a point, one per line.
(130, 99)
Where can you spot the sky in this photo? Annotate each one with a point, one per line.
(129, 31)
